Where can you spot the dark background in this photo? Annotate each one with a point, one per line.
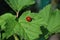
(4, 7)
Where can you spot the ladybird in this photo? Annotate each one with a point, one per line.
(28, 18)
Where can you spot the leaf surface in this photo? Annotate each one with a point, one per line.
(30, 30)
(17, 5)
(9, 25)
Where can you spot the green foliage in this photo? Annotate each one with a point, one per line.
(17, 5)
(3, 19)
(52, 19)
(2, 23)
(9, 30)
(45, 13)
(23, 28)
(8, 23)
(46, 20)
(30, 30)
(7, 16)
(54, 23)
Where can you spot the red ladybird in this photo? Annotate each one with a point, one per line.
(28, 18)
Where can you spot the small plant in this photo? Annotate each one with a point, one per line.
(29, 26)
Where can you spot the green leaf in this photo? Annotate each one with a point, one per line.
(54, 23)
(10, 23)
(52, 19)
(17, 5)
(3, 19)
(7, 16)
(17, 28)
(9, 30)
(45, 13)
(10, 27)
(30, 30)
(2, 23)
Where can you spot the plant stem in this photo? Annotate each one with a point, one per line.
(16, 38)
(17, 14)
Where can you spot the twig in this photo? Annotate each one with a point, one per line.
(16, 38)
(17, 14)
